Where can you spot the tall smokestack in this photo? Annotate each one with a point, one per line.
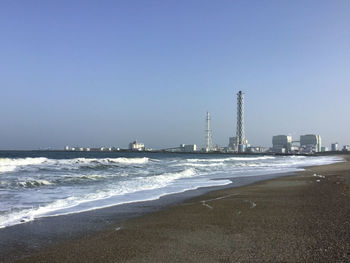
(208, 134)
(240, 137)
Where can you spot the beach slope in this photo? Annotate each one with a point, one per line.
(300, 218)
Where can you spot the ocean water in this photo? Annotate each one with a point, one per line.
(42, 184)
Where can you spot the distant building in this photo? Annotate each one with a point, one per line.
(295, 149)
(324, 149)
(310, 143)
(256, 149)
(67, 148)
(232, 144)
(188, 147)
(334, 147)
(94, 149)
(282, 144)
(346, 148)
(136, 146)
(217, 148)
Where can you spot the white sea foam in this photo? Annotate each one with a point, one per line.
(60, 207)
(93, 162)
(194, 164)
(10, 165)
(34, 183)
(97, 201)
(53, 187)
(209, 160)
(22, 161)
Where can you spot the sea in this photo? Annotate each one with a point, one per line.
(37, 184)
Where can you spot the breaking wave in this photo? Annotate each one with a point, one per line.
(75, 204)
(10, 165)
(230, 159)
(41, 187)
(34, 183)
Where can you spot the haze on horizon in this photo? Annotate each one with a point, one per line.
(104, 73)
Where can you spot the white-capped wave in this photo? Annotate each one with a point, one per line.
(29, 214)
(189, 172)
(93, 162)
(10, 165)
(121, 180)
(34, 183)
(252, 158)
(205, 165)
(138, 184)
(129, 160)
(90, 177)
(227, 159)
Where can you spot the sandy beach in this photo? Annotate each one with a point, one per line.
(299, 218)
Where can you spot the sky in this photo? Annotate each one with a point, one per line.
(105, 73)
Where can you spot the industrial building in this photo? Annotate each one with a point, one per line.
(136, 146)
(335, 147)
(232, 143)
(310, 143)
(346, 148)
(188, 147)
(324, 149)
(282, 143)
(256, 149)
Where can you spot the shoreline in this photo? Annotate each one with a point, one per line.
(24, 239)
(99, 223)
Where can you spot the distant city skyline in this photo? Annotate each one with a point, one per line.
(105, 74)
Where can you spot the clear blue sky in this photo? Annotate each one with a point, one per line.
(94, 73)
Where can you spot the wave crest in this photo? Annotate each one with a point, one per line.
(230, 159)
(33, 183)
(11, 165)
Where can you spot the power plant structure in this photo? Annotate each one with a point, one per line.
(241, 142)
(282, 144)
(310, 143)
(208, 138)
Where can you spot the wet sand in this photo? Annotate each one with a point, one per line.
(302, 218)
